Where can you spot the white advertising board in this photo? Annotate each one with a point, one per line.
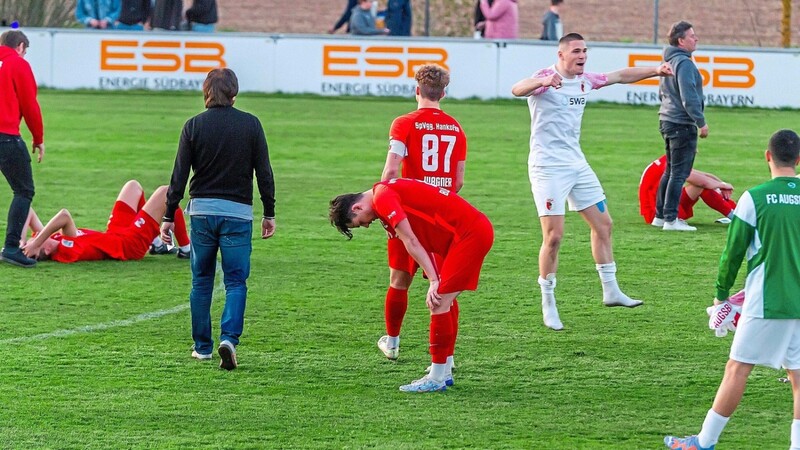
(382, 67)
(730, 77)
(176, 61)
(40, 55)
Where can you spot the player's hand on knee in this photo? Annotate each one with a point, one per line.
(433, 299)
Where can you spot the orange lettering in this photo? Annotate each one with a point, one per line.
(414, 64)
(328, 60)
(191, 67)
(703, 72)
(167, 57)
(744, 76)
(105, 55)
(395, 63)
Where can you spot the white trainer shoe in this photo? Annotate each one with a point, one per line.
(200, 356)
(390, 352)
(424, 384)
(550, 315)
(657, 222)
(227, 354)
(678, 225)
(723, 220)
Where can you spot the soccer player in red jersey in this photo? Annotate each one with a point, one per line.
(132, 226)
(430, 146)
(446, 236)
(699, 185)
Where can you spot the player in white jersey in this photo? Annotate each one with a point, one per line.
(559, 171)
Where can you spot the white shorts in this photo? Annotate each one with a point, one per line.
(767, 342)
(552, 186)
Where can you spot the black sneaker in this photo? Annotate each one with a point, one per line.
(184, 254)
(17, 258)
(162, 249)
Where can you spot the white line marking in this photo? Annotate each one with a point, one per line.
(219, 288)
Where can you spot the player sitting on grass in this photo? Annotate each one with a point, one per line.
(132, 228)
(700, 185)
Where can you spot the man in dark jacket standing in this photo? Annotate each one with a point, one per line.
(680, 117)
(17, 100)
(398, 17)
(223, 147)
(202, 16)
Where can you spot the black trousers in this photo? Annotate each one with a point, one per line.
(15, 163)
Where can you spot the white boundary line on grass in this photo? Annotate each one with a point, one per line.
(219, 288)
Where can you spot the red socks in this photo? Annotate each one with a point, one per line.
(442, 337)
(715, 201)
(395, 310)
(180, 229)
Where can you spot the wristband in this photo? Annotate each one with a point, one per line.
(167, 219)
(268, 218)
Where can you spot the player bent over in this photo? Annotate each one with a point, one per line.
(132, 227)
(431, 146)
(431, 222)
(764, 230)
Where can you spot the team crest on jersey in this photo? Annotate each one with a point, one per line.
(549, 204)
(139, 222)
(67, 243)
(791, 185)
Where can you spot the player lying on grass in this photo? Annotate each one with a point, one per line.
(132, 227)
(430, 221)
(700, 185)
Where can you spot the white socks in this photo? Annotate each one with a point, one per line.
(393, 341)
(612, 295)
(795, 434)
(449, 366)
(549, 310)
(712, 428)
(438, 371)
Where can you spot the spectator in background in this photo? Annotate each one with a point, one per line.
(97, 14)
(17, 100)
(167, 15)
(362, 22)
(551, 23)
(501, 19)
(345, 18)
(480, 19)
(398, 17)
(202, 16)
(134, 15)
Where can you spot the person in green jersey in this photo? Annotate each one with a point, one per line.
(765, 230)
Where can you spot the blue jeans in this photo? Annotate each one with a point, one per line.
(202, 27)
(681, 147)
(233, 238)
(15, 163)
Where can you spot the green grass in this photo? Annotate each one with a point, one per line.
(310, 375)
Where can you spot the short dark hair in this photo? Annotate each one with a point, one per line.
(12, 38)
(341, 213)
(220, 87)
(556, 2)
(784, 146)
(569, 37)
(678, 31)
(432, 80)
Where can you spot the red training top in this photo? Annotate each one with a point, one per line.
(19, 96)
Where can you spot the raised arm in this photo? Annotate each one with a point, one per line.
(634, 74)
(527, 86)
(61, 222)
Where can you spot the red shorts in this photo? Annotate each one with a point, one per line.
(461, 266)
(135, 229)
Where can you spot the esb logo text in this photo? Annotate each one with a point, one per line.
(717, 71)
(379, 61)
(161, 56)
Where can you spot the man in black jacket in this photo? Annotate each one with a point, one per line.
(202, 16)
(223, 147)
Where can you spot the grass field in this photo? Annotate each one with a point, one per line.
(96, 355)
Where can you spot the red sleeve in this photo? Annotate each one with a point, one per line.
(386, 204)
(25, 86)
(400, 129)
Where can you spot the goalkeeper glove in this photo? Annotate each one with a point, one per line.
(723, 318)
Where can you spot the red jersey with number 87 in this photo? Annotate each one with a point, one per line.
(432, 144)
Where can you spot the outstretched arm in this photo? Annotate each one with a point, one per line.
(61, 222)
(528, 86)
(634, 74)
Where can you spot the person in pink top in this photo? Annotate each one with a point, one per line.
(502, 19)
(17, 101)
